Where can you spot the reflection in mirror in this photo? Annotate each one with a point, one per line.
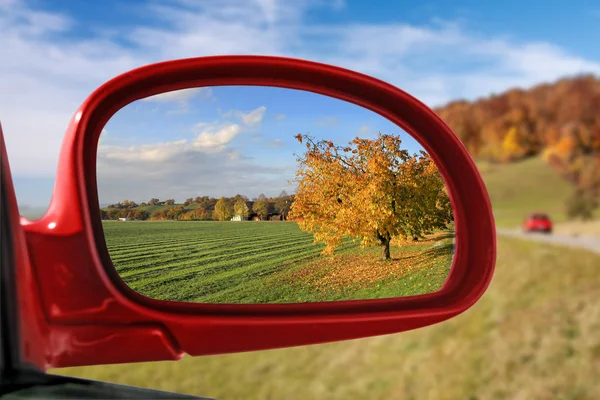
(242, 194)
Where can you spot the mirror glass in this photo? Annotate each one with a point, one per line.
(244, 194)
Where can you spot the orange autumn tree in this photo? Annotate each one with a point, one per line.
(371, 190)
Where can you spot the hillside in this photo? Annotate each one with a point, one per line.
(521, 187)
(520, 123)
(556, 124)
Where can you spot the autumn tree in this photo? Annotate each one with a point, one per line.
(371, 190)
(199, 214)
(283, 203)
(512, 145)
(113, 214)
(261, 206)
(140, 214)
(238, 197)
(153, 201)
(170, 202)
(241, 208)
(223, 210)
(188, 201)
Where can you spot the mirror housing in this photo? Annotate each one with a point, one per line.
(94, 318)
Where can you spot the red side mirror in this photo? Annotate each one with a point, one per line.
(94, 318)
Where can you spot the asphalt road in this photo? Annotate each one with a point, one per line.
(587, 243)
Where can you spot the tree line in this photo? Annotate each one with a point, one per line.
(558, 121)
(201, 208)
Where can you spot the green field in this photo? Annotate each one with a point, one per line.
(519, 188)
(535, 334)
(266, 262)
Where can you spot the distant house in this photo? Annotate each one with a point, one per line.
(125, 219)
(239, 218)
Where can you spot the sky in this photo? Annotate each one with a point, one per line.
(54, 54)
(223, 141)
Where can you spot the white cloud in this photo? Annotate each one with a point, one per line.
(249, 119)
(213, 139)
(254, 117)
(210, 138)
(146, 153)
(183, 171)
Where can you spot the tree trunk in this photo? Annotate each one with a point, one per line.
(385, 250)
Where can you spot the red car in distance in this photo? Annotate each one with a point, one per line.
(538, 222)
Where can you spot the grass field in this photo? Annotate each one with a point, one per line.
(266, 262)
(535, 334)
(519, 188)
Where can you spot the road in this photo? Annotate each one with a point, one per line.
(587, 243)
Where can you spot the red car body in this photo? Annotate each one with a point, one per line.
(538, 222)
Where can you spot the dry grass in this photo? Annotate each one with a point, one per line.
(534, 335)
(578, 228)
(519, 188)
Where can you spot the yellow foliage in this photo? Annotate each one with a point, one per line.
(223, 210)
(511, 145)
(371, 190)
(551, 151)
(566, 146)
(241, 208)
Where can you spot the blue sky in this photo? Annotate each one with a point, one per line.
(220, 141)
(55, 53)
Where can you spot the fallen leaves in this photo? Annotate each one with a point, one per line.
(357, 271)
